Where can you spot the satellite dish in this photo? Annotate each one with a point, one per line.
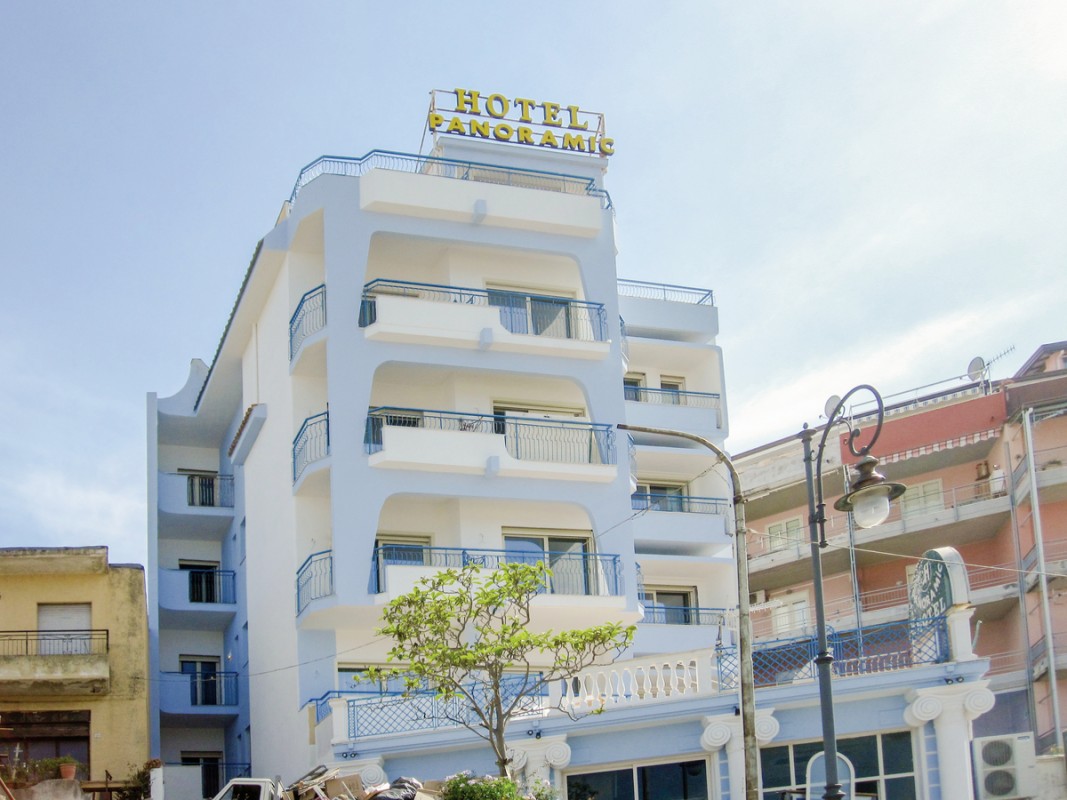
(831, 404)
(976, 368)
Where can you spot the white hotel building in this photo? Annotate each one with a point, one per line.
(425, 364)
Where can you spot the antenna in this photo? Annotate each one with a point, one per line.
(976, 369)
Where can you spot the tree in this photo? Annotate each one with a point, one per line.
(465, 633)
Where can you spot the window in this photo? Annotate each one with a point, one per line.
(922, 498)
(204, 686)
(672, 389)
(678, 781)
(790, 614)
(785, 534)
(537, 314)
(400, 550)
(204, 581)
(566, 556)
(883, 763)
(670, 605)
(33, 735)
(63, 629)
(632, 385)
(659, 497)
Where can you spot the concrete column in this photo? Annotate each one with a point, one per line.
(724, 731)
(539, 757)
(951, 708)
(959, 633)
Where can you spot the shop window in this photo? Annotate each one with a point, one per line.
(685, 780)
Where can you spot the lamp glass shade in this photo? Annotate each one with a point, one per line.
(870, 507)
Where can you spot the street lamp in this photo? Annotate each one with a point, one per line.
(868, 499)
(744, 644)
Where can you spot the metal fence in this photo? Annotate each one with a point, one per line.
(212, 586)
(550, 440)
(309, 318)
(520, 312)
(672, 397)
(878, 648)
(666, 291)
(683, 615)
(645, 501)
(54, 643)
(424, 710)
(448, 168)
(312, 443)
(314, 579)
(568, 573)
(209, 491)
(208, 688)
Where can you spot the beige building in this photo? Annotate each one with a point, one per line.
(73, 659)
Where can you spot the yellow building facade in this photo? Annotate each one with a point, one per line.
(73, 660)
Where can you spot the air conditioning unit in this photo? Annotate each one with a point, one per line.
(1005, 767)
(758, 597)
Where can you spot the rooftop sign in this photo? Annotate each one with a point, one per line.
(519, 120)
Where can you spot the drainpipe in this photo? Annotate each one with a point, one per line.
(1039, 545)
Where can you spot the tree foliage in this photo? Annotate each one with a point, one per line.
(465, 634)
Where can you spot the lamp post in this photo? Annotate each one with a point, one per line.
(744, 636)
(868, 500)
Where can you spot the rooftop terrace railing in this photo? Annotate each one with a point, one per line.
(666, 291)
(309, 318)
(54, 643)
(520, 312)
(449, 168)
(549, 440)
(589, 574)
(311, 443)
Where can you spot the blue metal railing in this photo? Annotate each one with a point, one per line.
(672, 397)
(592, 574)
(643, 501)
(309, 318)
(554, 441)
(666, 291)
(683, 615)
(448, 168)
(424, 710)
(878, 648)
(209, 491)
(212, 586)
(314, 578)
(312, 443)
(520, 312)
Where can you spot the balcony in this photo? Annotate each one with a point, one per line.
(680, 525)
(36, 662)
(202, 599)
(311, 445)
(667, 312)
(198, 698)
(314, 579)
(490, 444)
(308, 320)
(504, 321)
(195, 505)
(679, 503)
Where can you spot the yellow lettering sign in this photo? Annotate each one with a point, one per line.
(573, 110)
(552, 114)
(496, 105)
(467, 101)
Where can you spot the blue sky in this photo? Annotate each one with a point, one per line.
(875, 191)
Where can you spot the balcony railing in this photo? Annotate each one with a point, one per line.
(682, 615)
(312, 443)
(553, 441)
(209, 491)
(448, 168)
(520, 312)
(309, 318)
(314, 579)
(672, 397)
(666, 291)
(591, 574)
(212, 586)
(1046, 458)
(54, 643)
(207, 688)
(686, 504)
(907, 509)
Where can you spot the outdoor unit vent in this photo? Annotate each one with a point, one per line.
(1005, 767)
(757, 597)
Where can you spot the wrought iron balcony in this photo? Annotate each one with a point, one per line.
(683, 615)
(520, 312)
(686, 504)
(181, 690)
(54, 643)
(529, 439)
(666, 291)
(208, 490)
(449, 168)
(212, 586)
(311, 444)
(314, 579)
(672, 397)
(590, 574)
(309, 318)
